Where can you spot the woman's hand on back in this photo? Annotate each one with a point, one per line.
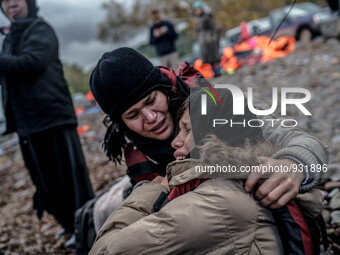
(280, 187)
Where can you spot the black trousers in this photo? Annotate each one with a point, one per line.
(57, 167)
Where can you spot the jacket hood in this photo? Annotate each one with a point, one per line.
(32, 9)
(214, 152)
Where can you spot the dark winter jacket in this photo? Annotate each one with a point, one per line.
(208, 39)
(34, 90)
(165, 44)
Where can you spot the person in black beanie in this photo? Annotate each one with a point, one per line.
(120, 80)
(132, 76)
(38, 106)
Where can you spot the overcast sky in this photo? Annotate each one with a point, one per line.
(76, 22)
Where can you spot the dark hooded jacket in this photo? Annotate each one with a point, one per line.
(34, 91)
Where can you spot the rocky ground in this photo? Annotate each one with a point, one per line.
(315, 66)
(20, 230)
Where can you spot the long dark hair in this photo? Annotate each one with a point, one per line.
(115, 139)
(118, 135)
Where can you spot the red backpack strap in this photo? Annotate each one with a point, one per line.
(304, 230)
(294, 231)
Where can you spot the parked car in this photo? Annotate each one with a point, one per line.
(330, 25)
(302, 22)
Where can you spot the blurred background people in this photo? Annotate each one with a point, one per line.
(38, 106)
(244, 35)
(163, 37)
(207, 37)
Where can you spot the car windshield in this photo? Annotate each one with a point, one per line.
(299, 10)
(260, 25)
(307, 7)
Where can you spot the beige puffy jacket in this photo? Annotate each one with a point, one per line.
(218, 217)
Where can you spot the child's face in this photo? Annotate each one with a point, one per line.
(184, 141)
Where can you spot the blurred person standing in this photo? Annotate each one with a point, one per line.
(38, 106)
(207, 37)
(163, 36)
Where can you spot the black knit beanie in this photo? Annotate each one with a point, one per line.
(122, 78)
(32, 8)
